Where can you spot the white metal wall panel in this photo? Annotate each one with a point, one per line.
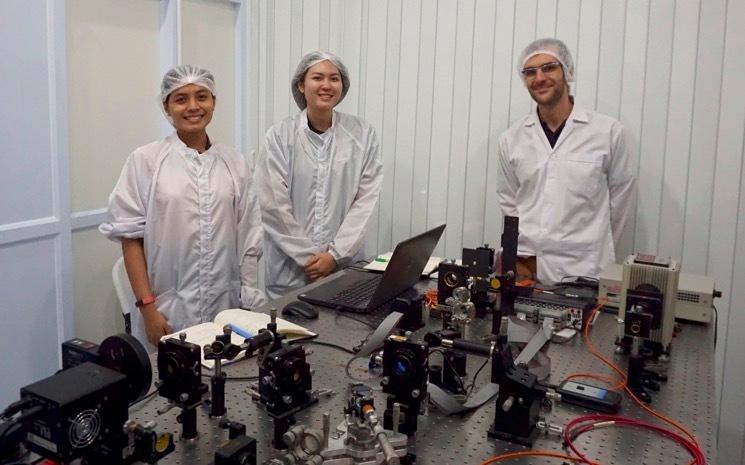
(503, 74)
(476, 157)
(97, 309)
(389, 130)
(459, 142)
(310, 25)
(284, 105)
(546, 18)
(113, 76)
(704, 131)
(724, 221)
(208, 40)
(586, 54)
(36, 289)
(679, 126)
(403, 166)
(632, 98)
(373, 90)
(425, 117)
(732, 430)
(28, 335)
(654, 123)
(442, 114)
(25, 86)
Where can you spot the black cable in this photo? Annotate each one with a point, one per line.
(7, 429)
(235, 378)
(242, 378)
(476, 375)
(328, 344)
(455, 372)
(579, 279)
(12, 426)
(143, 399)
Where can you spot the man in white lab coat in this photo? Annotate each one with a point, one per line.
(563, 170)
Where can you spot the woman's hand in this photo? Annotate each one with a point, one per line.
(156, 325)
(320, 266)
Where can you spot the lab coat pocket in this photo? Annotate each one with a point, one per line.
(170, 306)
(582, 173)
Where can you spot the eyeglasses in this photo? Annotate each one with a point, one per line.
(546, 68)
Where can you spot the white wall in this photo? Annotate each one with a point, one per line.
(438, 81)
(35, 257)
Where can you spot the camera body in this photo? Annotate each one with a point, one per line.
(285, 382)
(84, 408)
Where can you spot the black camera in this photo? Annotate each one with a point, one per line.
(180, 371)
(82, 411)
(82, 408)
(285, 382)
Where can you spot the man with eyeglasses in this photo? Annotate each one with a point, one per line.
(563, 170)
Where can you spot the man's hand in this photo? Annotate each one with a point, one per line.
(320, 266)
(526, 268)
(156, 325)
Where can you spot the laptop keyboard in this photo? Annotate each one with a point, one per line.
(362, 292)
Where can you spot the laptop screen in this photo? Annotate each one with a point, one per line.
(406, 265)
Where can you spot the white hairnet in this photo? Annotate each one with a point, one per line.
(549, 46)
(183, 75)
(309, 60)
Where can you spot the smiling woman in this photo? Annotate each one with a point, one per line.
(187, 216)
(319, 180)
(190, 110)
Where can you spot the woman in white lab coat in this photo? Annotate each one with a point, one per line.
(187, 216)
(319, 180)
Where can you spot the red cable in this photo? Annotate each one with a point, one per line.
(693, 449)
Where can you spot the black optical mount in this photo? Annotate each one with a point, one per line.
(518, 402)
(405, 376)
(220, 349)
(180, 380)
(285, 384)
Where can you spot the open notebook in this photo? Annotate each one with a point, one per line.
(251, 322)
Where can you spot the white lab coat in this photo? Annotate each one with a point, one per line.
(200, 220)
(572, 200)
(317, 194)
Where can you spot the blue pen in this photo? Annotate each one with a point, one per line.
(240, 331)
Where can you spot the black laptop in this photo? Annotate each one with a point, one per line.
(363, 292)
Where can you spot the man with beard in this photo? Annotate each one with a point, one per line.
(563, 170)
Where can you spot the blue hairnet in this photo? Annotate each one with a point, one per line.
(549, 46)
(183, 75)
(309, 60)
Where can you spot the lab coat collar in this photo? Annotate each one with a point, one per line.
(306, 126)
(176, 141)
(578, 115)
